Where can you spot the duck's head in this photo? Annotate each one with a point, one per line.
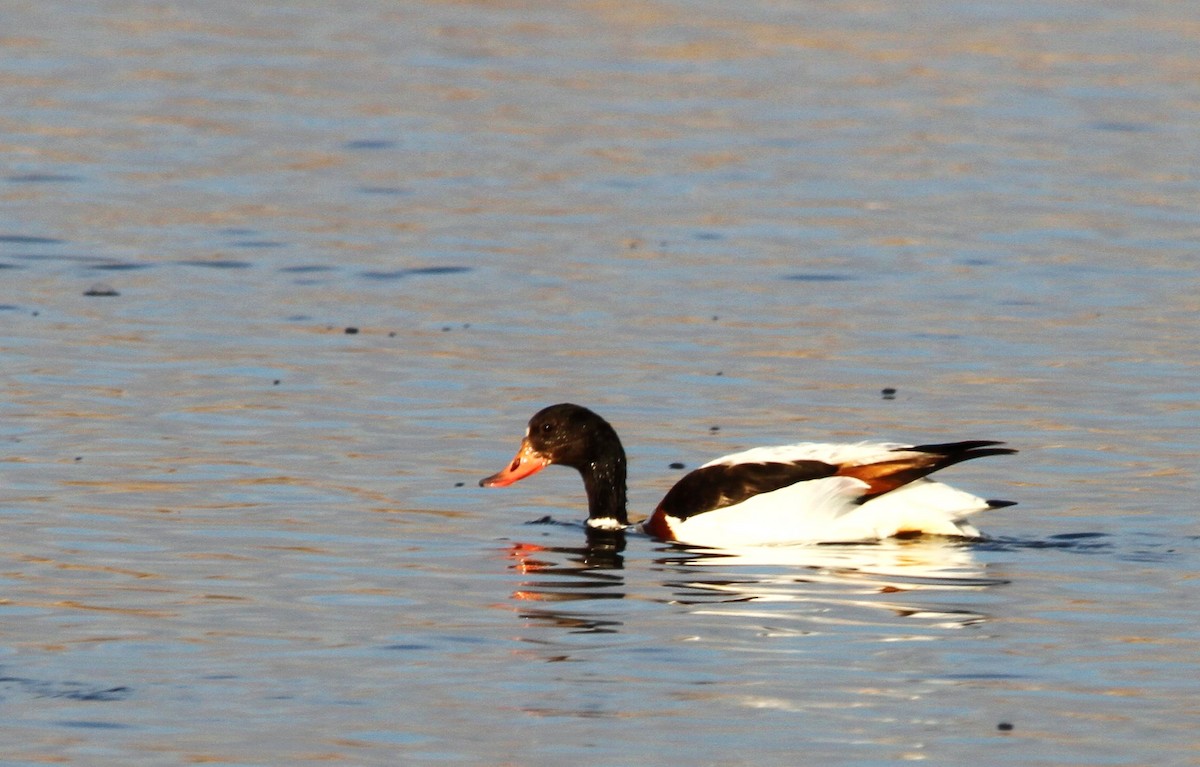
(564, 434)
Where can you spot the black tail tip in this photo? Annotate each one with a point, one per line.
(994, 504)
(962, 451)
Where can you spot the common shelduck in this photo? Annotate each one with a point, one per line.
(804, 493)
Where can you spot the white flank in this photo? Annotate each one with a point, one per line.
(825, 510)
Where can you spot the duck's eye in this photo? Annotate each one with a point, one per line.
(547, 428)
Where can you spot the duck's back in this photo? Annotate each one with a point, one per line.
(817, 492)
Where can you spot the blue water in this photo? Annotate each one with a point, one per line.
(355, 248)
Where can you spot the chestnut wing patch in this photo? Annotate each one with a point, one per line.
(721, 485)
(917, 462)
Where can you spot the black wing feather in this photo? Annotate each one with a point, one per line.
(721, 485)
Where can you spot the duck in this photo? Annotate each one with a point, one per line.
(804, 493)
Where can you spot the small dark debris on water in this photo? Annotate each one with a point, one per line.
(720, 372)
(714, 429)
(275, 382)
(889, 393)
(458, 484)
(1005, 727)
(351, 331)
(678, 465)
(101, 289)
(445, 328)
(392, 334)
(79, 458)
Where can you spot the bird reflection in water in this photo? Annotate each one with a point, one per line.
(924, 580)
(836, 582)
(571, 574)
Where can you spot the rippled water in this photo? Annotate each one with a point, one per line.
(279, 282)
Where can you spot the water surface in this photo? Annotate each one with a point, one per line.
(354, 249)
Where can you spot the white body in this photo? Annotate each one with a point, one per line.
(826, 510)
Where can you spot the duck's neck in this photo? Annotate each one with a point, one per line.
(604, 481)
